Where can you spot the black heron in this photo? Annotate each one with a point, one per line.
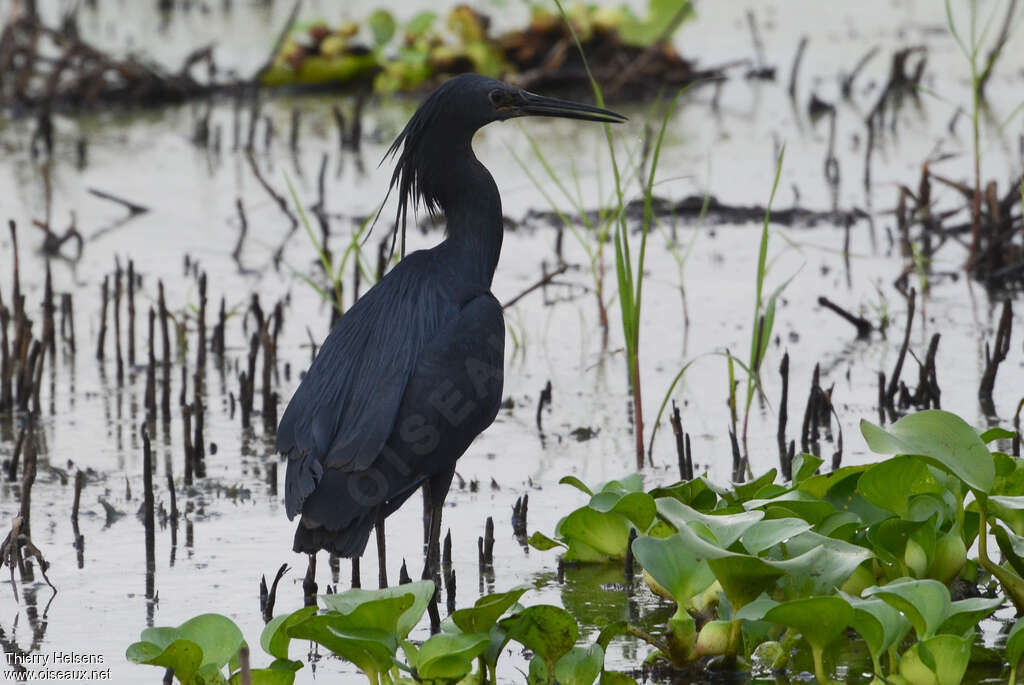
(412, 373)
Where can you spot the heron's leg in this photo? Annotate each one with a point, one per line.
(382, 558)
(309, 582)
(437, 487)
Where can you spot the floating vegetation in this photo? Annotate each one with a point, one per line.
(624, 49)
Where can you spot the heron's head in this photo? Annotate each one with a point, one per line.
(449, 117)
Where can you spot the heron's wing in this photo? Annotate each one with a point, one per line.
(345, 407)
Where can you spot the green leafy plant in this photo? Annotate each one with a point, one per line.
(200, 648)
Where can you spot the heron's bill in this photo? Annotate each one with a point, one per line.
(538, 105)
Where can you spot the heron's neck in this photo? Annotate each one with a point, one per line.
(472, 206)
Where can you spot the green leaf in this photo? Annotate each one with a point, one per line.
(448, 657)
(878, 623)
(670, 563)
(696, 493)
(742, 577)
(637, 507)
(993, 434)
(950, 654)
(925, 603)
(593, 536)
(372, 650)
(218, 636)
(1015, 643)
(487, 610)
(889, 538)
(794, 503)
(580, 665)
(377, 611)
(766, 534)
(1010, 509)
(420, 24)
(382, 25)
(280, 672)
(941, 437)
(275, 639)
(1011, 546)
(804, 466)
(548, 630)
(819, 619)
(208, 674)
(184, 656)
(891, 483)
(749, 490)
(724, 528)
(576, 483)
(542, 542)
(965, 614)
(820, 485)
(819, 565)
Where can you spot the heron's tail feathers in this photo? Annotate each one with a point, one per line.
(349, 541)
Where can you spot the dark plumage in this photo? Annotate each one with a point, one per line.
(412, 373)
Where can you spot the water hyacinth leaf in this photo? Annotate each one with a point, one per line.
(447, 657)
(725, 529)
(184, 656)
(580, 666)
(576, 483)
(382, 26)
(749, 490)
(821, 485)
(371, 650)
(926, 603)
(794, 503)
(280, 672)
(548, 630)
(965, 614)
(1010, 509)
(742, 577)
(941, 437)
(878, 623)
(593, 536)
(755, 611)
(889, 538)
(804, 466)
(993, 434)
(670, 563)
(821, 569)
(1009, 475)
(1011, 546)
(487, 610)
(842, 525)
(634, 482)
(1015, 643)
(766, 534)
(695, 493)
(208, 674)
(275, 639)
(819, 619)
(376, 608)
(218, 636)
(637, 507)
(616, 678)
(889, 484)
(942, 660)
(542, 542)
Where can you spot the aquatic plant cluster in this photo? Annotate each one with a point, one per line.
(404, 57)
(759, 572)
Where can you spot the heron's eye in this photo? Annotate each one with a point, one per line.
(499, 98)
